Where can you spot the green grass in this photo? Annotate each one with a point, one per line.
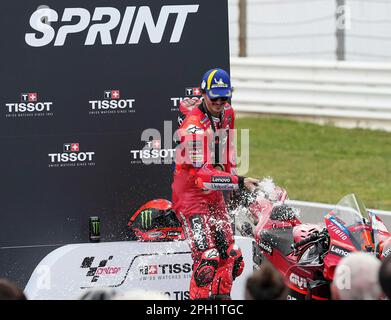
(321, 163)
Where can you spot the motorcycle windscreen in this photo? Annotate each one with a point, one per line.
(352, 218)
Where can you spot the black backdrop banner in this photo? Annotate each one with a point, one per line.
(80, 82)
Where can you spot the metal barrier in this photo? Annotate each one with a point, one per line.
(360, 91)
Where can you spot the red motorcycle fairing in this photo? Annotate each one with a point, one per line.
(274, 236)
(382, 238)
(308, 264)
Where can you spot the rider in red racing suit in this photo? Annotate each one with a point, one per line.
(205, 165)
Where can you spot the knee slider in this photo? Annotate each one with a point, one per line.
(206, 270)
(235, 254)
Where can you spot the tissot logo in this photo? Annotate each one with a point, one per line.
(112, 94)
(193, 91)
(152, 153)
(29, 106)
(118, 28)
(71, 147)
(175, 103)
(156, 269)
(178, 295)
(71, 157)
(148, 270)
(189, 92)
(112, 103)
(29, 97)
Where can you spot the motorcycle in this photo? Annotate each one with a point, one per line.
(306, 255)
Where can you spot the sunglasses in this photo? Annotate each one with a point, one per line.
(222, 99)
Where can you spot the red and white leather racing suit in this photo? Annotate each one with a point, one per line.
(199, 203)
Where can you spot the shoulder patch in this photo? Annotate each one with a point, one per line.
(227, 107)
(193, 129)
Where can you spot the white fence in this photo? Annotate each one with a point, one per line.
(305, 29)
(344, 90)
(314, 212)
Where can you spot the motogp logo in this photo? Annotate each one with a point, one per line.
(100, 270)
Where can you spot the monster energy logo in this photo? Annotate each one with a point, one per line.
(95, 227)
(146, 219)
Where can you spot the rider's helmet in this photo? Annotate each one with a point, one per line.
(155, 221)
